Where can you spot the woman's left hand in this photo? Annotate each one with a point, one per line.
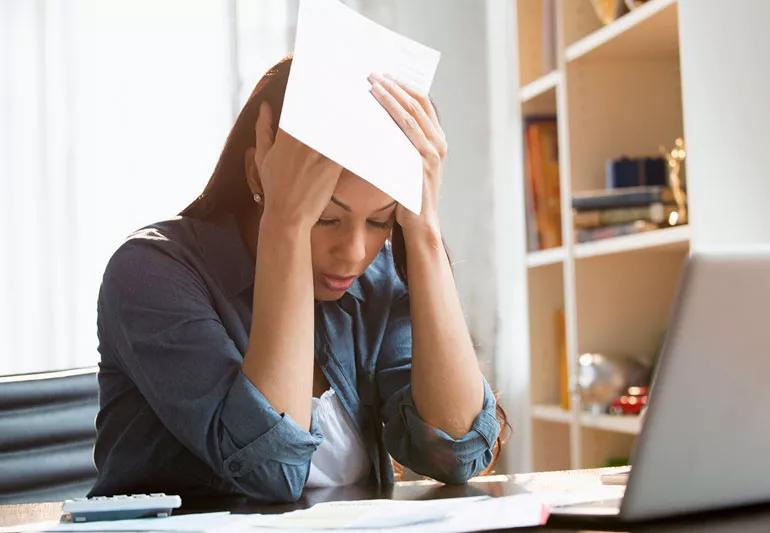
(415, 115)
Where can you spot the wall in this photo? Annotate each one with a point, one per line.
(725, 83)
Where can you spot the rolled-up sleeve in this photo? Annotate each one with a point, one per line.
(156, 315)
(410, 440)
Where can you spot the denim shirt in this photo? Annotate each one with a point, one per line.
(177, 415)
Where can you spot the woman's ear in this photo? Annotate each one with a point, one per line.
(252, 173)
(263, 133)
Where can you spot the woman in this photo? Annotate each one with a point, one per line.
(266, 339)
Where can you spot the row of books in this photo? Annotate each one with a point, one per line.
(542, 183)
(636, 199)
(622, 211)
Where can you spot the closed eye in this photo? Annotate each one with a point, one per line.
(381, 225)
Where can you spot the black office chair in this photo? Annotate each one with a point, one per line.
(47, 435)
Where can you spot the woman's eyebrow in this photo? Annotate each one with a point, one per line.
(391, 204)
(346, 207)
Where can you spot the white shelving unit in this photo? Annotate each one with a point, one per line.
(615, 90)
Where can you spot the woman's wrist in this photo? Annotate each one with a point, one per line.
(422, 235)
(273, 225)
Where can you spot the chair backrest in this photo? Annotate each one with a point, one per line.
(47, 435)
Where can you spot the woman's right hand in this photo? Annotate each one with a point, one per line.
(297, 182)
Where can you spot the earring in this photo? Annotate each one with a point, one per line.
(257, 198)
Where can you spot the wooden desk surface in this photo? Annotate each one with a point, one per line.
(747, 520)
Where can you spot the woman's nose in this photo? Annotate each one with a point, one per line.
(352, 246)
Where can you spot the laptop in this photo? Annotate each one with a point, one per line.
(706, 432)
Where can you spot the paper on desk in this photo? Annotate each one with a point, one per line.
(443, 515)
(328, 106)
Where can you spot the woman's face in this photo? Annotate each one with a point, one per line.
(349, 234)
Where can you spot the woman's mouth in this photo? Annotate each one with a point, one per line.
(337, 283)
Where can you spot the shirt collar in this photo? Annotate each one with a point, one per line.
(228, 258)
(355, 289)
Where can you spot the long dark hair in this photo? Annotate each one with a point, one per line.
(227, 191)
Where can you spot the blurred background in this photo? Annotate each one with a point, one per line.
(592, 145)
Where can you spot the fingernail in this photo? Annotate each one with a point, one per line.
(378, 88)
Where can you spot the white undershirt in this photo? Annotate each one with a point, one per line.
(341, 459)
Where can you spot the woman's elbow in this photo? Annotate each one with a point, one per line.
(284, 484)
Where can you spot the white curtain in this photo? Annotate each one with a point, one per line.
(112, 116)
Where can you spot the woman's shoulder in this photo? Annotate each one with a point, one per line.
(170, 238)
(185, 252)
(164, 251)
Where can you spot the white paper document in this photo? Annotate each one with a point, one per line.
(443, 515)
(328, 105)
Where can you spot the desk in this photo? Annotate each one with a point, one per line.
(747, 520)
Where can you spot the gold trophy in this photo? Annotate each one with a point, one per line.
(675, 159)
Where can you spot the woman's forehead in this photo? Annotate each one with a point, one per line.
(359, 193)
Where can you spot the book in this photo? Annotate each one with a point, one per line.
(634, 172)
(617, 230)
(542, 165)
(624, 197)
(533, 240)
(657, 213)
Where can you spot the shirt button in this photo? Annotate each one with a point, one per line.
(234, 467)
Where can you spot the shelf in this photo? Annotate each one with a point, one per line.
(539, 86)
(629, 424)
(677, 238)
(551, 413)
(649, 31)
(539, 97)
(548, 256)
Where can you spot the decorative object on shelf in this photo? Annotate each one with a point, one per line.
(543, 194)
(603, 377)
(676, 178)
(609, 10)
(631, 402)
(633, 4)
(616, 461)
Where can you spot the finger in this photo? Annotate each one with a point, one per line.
(404, 120)
(412, 106)
(421, 98)
(264, 132)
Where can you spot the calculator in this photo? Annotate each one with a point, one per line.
(120, 507)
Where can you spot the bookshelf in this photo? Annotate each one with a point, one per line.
(615, 90)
